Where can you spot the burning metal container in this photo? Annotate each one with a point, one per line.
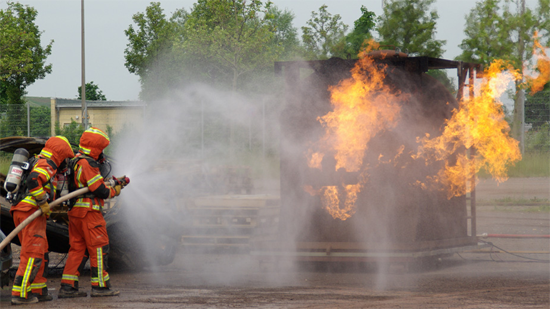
(341, 201)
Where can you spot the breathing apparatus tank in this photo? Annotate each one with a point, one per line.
(19, 164)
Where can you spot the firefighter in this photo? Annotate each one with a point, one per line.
(88, 237)
(29, 285)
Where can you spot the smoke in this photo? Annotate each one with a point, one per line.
(171, 158)
(390, 213)
(178, 155)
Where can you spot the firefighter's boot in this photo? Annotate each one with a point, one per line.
(47, 297)
(67, 291)
(16, 300)
(101, 292)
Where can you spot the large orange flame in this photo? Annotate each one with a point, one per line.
(543, 66)
(331, 201)
(475, 137)
(478, 124)
(363, 106)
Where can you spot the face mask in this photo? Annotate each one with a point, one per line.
(102, 159)
(63, 166)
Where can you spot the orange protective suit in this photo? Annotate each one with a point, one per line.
(87, 228)
(33, 264)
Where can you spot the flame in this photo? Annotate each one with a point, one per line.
(315, 160)
(310, 190)
(363, 106)
(475, 137)
(331, 201)
(381, 159)
(478, 124)
(543, 66)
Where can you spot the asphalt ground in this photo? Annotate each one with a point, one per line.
(507, 273)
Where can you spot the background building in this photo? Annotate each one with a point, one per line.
(115, 114)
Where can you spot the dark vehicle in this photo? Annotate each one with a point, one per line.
(6, 261)
(126, 251)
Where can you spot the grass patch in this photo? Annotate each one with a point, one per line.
(516, 205)
(543, 208)
(532, 164)
(509, 201)
(5, 161)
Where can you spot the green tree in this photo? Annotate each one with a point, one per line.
(21, 64)
(285, 38)
(441, 75)
(229, 37)
(503, 29)
(149, 52)
(22, 58)
(92, 92)
(3, 93)
(486, 34)
(324, 35)
(285, 34)
(537, 108)
(410, 26)
(39, 120)
(229, 40)
(361, 32)
(13, 120)
(13, 58)
(40, 123)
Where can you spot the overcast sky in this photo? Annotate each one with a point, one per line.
(106, 20)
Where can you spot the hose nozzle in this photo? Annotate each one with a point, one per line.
(122, 180)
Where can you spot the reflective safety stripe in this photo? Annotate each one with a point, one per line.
(87, 205)
(81, 204)
(98, 280)
(94, 180)
(78, 174)
(30, 200)
(37, 192)
(100, 267)
(69, 277)
(86, 151)
(25, 282)
(17, 288)
(96, 131)
(42, 171)
(46, 153)
(35, 286)
(65, 140)
(50, 187)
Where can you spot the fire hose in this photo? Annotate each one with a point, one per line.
(121, 180)
(38, 213)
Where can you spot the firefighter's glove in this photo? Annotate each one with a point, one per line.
(43, 204)
(117, 189)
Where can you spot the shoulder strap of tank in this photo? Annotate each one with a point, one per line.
(71, 176)
(71, 166)
(52, 164)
